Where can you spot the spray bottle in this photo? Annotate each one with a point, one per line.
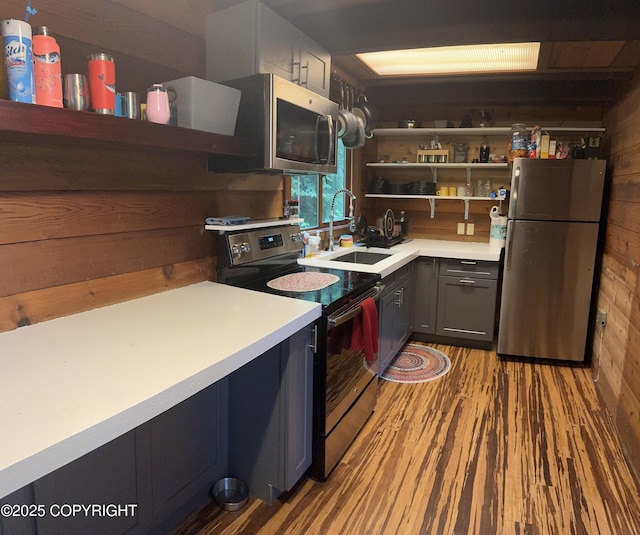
(16, 39)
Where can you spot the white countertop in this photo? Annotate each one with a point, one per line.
(404, 253)
(70, 385)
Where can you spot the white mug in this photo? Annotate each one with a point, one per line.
(462, 191)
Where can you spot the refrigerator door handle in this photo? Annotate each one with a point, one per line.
(510, 232)
(515, 180)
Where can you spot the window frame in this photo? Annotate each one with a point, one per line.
(348, 179)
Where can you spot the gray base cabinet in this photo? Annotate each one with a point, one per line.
(426, 295)
(467, 295)
(164, 469)
(456, 298)
(249, 38)
(396, 314)
(188, 453)
(270, 415)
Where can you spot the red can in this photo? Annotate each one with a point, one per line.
(102, 83)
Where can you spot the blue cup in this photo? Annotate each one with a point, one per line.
(121, 106)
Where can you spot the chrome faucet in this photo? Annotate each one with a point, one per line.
(352, 222)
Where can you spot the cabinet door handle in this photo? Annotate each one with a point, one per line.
(314, 339)
(468, 262)
(467, 281)
(399, 297)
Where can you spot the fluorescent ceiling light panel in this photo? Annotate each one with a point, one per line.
(507, 57)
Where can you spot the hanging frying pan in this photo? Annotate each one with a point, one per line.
(369, 112)
(347, 122)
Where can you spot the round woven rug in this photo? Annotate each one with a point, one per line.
(417, 364)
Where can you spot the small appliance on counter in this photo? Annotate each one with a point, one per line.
(389, 232)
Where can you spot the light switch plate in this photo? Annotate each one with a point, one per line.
(471, 228)
(460, 228)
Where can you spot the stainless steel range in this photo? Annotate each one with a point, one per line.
(345, 378)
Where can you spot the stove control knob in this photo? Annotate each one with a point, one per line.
(245, 248)
(235, 248)
(296, 237)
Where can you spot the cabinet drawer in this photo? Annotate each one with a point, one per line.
(397, 277)
(403, 273)
(478, 269)
(466, 308)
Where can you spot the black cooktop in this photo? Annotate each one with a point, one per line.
(256, 275)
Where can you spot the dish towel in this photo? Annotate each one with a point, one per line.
(365, 330)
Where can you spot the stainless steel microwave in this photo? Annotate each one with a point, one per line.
(294, 129)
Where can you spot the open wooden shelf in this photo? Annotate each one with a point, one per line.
(62, 123)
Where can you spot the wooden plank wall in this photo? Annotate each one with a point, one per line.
(83, 225)
(616, 347)
(86, 224)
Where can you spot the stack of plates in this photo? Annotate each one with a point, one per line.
(399, 189)
(379, 185)
(422, 187)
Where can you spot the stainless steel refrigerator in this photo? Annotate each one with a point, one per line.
(550, 256)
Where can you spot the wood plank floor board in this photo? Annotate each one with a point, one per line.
(493, 447)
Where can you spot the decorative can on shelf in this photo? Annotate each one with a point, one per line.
(518, 145)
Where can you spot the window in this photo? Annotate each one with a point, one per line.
(315, 193)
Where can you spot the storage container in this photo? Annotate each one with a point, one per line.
(204, 105)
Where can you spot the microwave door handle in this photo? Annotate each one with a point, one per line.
(330, 134)
(331, 147)
(316, 139)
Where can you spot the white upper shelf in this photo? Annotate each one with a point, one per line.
(258, 223)
(489, 131)
(412, 165)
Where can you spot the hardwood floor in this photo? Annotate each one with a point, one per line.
(493, 447)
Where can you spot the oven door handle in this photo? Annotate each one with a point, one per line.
(351, 311)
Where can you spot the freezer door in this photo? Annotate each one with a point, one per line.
(557, 190)
(546, 289)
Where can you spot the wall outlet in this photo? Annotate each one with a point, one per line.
(601, 317)
(471, 228)
(460, 228)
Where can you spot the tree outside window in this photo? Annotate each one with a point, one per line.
(315, 193)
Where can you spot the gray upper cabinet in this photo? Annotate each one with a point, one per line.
(250, 38)
(315, 67)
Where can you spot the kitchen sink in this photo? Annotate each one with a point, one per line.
(362, 257)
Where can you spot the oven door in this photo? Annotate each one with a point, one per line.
(348, 372)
